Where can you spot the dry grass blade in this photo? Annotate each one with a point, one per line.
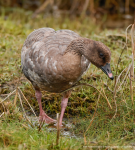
(124, 77)
(58, 130)
(3, 106)
(127, 30)
(120, 60)
(115, 88)
(2, 114)
(108, 88)
(8, 96)
(91, 119)
(107, 99)
(24, 110)
(28, 103)
(41, 123)
(131, 87)
(85, 141)
(86, 84)
(15, 96)
(116, 109)
(132, 38)
(132, 65)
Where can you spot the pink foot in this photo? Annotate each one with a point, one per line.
(44, 118)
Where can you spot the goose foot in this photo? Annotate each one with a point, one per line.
(44, 118)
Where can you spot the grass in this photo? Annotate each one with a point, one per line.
(17, 135)
(85, 108)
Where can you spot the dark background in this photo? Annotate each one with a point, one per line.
(112, 13)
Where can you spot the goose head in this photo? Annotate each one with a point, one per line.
(96, 52)
(100, 55)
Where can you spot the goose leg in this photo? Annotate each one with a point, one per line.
(43, 116)
(64, 105)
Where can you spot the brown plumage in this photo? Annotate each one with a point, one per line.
(55, 60)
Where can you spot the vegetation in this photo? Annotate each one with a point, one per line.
(97, 118)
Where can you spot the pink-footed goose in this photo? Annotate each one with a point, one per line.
(54, 61)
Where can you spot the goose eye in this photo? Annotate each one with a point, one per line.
(101, 55)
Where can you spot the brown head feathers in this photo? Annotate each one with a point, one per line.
(96, 52)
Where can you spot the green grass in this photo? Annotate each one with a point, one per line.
(17, 135)
(83, 106)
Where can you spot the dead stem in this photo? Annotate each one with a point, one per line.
(91, 120)
(108, 88)
(120, 57)
(15, 96)
(86, 84)
(28, 104)
(2, 114)
(24, 110)
(107, 99)
(115, 88)
(124, 77)
(132, 64)
(114, 96)
(58, 130)
(127, 30)
(41, 123)
(8, 96)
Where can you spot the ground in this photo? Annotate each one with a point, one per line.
(94, 117)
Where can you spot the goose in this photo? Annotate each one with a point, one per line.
(55, 61)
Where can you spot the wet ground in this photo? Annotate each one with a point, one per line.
(66, 129)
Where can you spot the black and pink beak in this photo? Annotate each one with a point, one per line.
(107, 70)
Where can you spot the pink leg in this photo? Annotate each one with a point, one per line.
(63, 107)
(43, 116)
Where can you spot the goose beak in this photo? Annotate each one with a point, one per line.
(107, 70)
